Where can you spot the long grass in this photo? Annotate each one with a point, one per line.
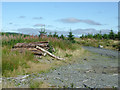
(109, 44)
(19, 63)
(11, 40)
(11, 60)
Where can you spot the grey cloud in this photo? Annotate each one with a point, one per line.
(10, 23)
(39, 25)
(75, 20)
(90, 31)
(90, 22)
(49, 25)
(28, 30)
(33, 31)
(84, 31)
(76, 32)
(21, 16)
(70, 20)
(37, 18)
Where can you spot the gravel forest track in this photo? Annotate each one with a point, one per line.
(98, 70)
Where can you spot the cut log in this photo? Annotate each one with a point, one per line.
(31, 45)
(50, 54)
(33, 50)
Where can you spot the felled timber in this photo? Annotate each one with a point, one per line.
(37, 48)
(50, 54)
(33, 50)
(31, 45)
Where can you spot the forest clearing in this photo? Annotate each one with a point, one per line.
(20, 67)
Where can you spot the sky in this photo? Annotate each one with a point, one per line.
(80, 17)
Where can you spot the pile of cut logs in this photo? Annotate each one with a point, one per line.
(37, 48)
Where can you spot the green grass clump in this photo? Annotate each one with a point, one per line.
(68, 55)
(11, 60)
(106, 43)
(35, 84)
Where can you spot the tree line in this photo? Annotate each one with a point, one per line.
(111, 35)
(70, 35)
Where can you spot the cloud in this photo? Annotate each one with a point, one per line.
(28, 31)
(49, 26)
(37, 18)
(75, 32)
(31, 31)
(39, 25)
(21, 17)
(90, 31)
(10, 23)
(70, 20)
(35, 31)
(75, 20)
(90, 22)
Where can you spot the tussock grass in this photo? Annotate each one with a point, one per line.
(11, 40)
(37, 67)
(15, 63)
(11, 60)
(108, 44)
(38, 84)
(29, 66)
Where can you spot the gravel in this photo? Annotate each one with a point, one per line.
(95, 71)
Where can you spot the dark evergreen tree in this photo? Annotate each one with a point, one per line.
(89, 36)
(105, 36)
(50, 34)
(42, 32)
(82, 36)
(62, 37)
(55, 34)
(118, 35)
(111, 35)
(71, 37)
(98, 36)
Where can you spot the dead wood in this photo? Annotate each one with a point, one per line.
(31, 45)
(50, 54)
(21, 47)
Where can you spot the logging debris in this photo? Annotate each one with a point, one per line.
(50, 54)
(37, 48)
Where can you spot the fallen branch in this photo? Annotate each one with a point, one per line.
(39, 48)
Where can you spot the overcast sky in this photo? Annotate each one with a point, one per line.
(81, 17)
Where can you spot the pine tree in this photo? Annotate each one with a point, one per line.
(55, 34)
(42, 32)
(82, 36)
(98, 36)
(105, 36)
(50, 34)
(118, 35)
(90, 35)
(71, 37)
(62, 37)
(111, 35)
